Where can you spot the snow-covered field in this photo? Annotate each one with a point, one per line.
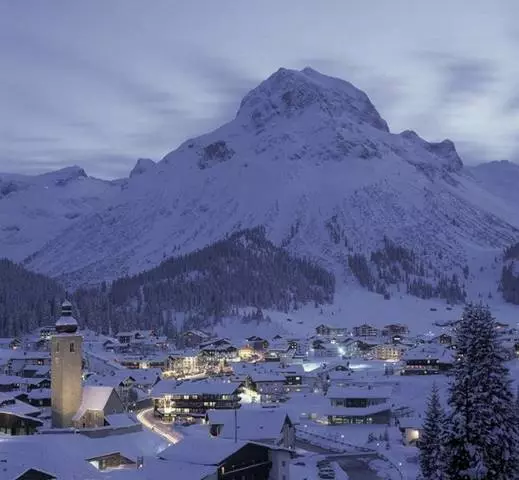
(355, 306)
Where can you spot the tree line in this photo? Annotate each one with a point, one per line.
(244, 269)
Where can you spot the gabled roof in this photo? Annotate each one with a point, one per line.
(431, 351)
(215, 450)
(252, 424)
(94, 398)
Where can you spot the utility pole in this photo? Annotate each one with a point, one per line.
(235, 425)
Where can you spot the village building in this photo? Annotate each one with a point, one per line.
(96, 405)
(272, 426)
(428, 359)
(268, 387)
(388, 352)
(193, 338)
(352, 405)
(366, 330)
(230, 459)
(192, 399)
(395, 329)
(330, 331)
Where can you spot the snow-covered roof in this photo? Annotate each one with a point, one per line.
(20, 408)
(10, 380)
(61, 321)
(120, 420)
(431, 351)
(39, 394)
(252, 424)
(356, 392)
(64, 456)
(94, 398)
(199, 387)
(267, 377)
(215, 450)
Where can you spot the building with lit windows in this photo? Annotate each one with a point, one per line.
(192, 399)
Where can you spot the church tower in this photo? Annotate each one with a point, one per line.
(66, 369)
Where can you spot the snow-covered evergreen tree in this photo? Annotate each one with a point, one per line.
(482, 434)
(431, 442)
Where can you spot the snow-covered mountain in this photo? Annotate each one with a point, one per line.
(310, 158)
(36, 209)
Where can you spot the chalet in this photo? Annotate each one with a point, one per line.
(351, 405)
(295, 378)
(110, 344)
(127, 338)
(349, 347)
(324, 349)
(395, 329)
(18, 360)
(272, 426)
(427, 359)
(39, 397)
(217, 352)
(270, 387)
(17, 418)
(9, 383)
(366, 330)
(257, 343)
(192, 399)
(388, 352)
(15, 424)
(279, 351)
(183, 363)
(96, 405)
(330, 331)
(193, 338)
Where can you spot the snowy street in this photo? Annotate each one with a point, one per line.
(157, 426)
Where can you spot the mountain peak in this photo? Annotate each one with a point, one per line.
(288, 93)
(142, 165)
(445, 150)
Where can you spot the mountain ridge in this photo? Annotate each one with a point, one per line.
(317, 168)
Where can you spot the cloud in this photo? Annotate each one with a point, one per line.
(461, 78)
(511, 104)
(466, 77)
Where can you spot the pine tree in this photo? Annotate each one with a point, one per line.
(431, 448)
(482, 434)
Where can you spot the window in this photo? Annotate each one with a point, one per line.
(72, 348)
(57, 347)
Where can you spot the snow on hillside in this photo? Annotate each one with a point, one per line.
(309, 157)
(354, 306)
(35, 209)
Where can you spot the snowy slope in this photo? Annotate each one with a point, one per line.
(501, 178)
(35, 209)
(309, 157)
